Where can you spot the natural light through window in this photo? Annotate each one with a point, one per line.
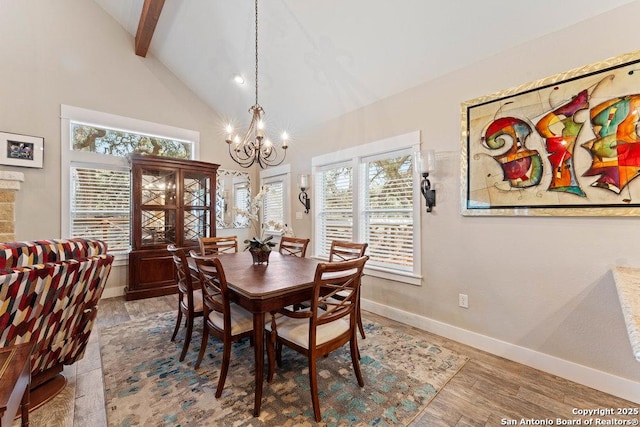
(96, 176)
(369, 193)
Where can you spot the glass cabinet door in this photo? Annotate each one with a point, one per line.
(196, 202)
(158, 207)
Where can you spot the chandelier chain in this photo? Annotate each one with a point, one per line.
(256, 52)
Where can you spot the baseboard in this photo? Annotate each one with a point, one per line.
(617, 386)
(112, 292)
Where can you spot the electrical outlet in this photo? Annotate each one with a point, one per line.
(463, 300)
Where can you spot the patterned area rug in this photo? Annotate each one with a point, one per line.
(58, 412)
(146, 385)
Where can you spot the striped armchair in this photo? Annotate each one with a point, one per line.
(49, 292)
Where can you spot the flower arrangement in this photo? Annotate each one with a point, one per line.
(264, 245)
(252, 213)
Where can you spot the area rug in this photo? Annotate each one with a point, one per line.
(146, 385)
(58, 412)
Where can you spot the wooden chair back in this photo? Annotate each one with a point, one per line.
(218, 245)
(214, 290)
(344, 251)
(183, 276)
(293, 246)
(333, 278)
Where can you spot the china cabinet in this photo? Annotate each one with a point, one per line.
(173, 202)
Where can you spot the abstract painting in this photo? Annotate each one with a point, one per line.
(565, 145)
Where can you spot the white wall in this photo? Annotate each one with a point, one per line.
(539, 284)
(72, 52)
(525, 290)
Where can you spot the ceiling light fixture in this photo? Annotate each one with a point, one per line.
(238, 79)
(255, 146)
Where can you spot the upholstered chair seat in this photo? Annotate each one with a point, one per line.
(241, 319)
(297, 330)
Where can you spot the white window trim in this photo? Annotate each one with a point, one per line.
(70, 113)
(354, 156)
(284, 172)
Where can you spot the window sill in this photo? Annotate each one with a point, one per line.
(404, 277)
(385, 273)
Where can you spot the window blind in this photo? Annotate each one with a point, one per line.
(387, 214)
(273, 206)
(100, 206)
(241, 202)
(335, 187)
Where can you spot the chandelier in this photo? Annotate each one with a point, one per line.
(255, 146)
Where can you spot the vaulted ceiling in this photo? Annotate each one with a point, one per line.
(320, 59)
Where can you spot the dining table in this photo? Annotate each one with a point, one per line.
(263, 288)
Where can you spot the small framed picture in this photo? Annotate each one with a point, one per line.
(21, 150)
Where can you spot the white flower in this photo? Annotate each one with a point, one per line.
(253, 212)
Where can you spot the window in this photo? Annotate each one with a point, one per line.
(275, 209)
(242, 200)
(115, 142)
(100, 207)
(373, 197)
(273, 206)
(335, 215)
(96, 177)
(387, 215)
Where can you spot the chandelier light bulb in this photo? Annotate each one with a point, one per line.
(238, 79)
(229, 130)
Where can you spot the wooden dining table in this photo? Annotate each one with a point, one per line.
(263, 288)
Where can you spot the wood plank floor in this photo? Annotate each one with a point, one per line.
(487, 391)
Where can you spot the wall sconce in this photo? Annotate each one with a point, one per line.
(425, 164)
(303, 196)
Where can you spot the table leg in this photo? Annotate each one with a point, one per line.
(258, 343)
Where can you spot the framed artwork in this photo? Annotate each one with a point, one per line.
(565, 145)
(21, 150)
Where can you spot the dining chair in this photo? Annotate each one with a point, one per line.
(343, 251)
(189, 297)
(217, 245)
(327, 326)
(223, 319)
(293, 246)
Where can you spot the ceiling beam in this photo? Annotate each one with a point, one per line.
(147, 25)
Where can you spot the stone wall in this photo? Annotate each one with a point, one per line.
(9, 184)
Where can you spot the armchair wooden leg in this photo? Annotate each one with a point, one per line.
(226, 357)
(187, 338)
(359, 316)
(203, 345)
(360, 326)
(313, 382)
(355, 356)
(270, 339)
(175, 330)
